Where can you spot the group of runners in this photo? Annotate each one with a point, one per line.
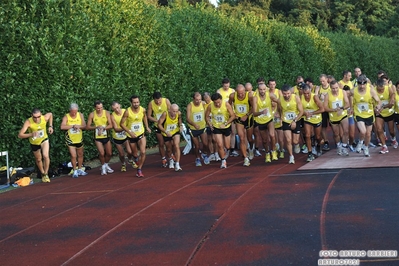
(266, 119)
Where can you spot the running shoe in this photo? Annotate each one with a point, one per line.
(304, 148)
(206, 160)
(344, 151)
(297, 148)
(133, 163)
(212, 157)
(281, 154)
(82, 172)
(394, 144)
(224, 164)
(326, 147)
(197, 162)
(171, 163)
(75, 174)
(103, 170)
(139, 173)
(274, 156)
(257, 153)
(109, 170)
(292, 160)
(45, 178)
(359, 147)
(247, 162)
(366, 151)
(123, 168)
(251, 154)
(310, 157)
(268, 158)
(234, 154)
(164, 162)
(384, 149)
(177, 167)
(217, 157)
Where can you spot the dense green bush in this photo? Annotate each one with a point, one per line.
(57, 52)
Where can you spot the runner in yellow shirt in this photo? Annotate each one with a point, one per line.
(74, 123)
(386, 93)
(365, 102)
(225, 91)
(242, 102)
(170, 125)
(197, 123)
(155, 109)
(102, 123)
(119, 137)
(134, 122)
(38, 138)
(336, 103)
(220, 115)
(312, 110)
(291, 112)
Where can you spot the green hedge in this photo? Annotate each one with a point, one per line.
(57, 52)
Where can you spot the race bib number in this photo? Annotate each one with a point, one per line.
(120, 135)
(219, 118)
(337, 104)
(171, 127)
(267, 113)
(74, 131)
(310, 110)
(198, 117)
(101, 132)
(40, 133)
(136, 127)
(241, 108)
(290, 115)
(363, 107)
(384, 102)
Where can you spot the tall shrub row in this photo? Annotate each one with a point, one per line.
(54, 53)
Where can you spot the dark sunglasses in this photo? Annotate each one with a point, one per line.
(36, 116)
(362, 83)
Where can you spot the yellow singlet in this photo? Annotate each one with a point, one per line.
(225, 93)
(336, 102)
(262, 105)
(40, 128)
(310, 106)
(348, 83)
(158, 110)
(363, 104)
(74, 136)
(241, 107)
(100, 121)
(197, 116)
(384, 98)
(219, 115)
(289, 109)
(135, 121)
(121, 135)
(171, 125)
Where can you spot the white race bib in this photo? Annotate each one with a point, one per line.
(136, 127)
(219, 118)
(120, 135)
(74, 131)
(241, 108)
(290, 115)
(337, 104)
(171, 127)
(363, 107)
(198, 117)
